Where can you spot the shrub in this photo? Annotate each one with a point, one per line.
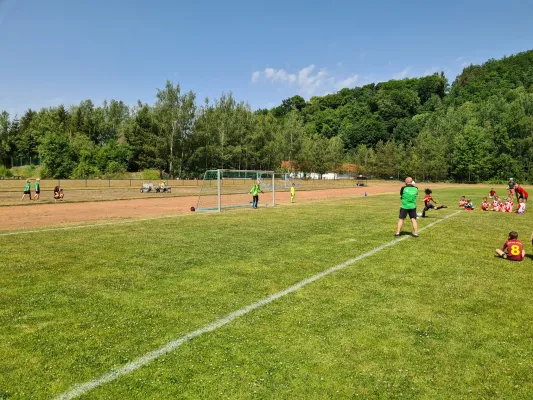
(150, 174)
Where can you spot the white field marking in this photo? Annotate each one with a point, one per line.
(83, 388)
(65, 228)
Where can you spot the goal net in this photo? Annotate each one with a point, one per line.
(226, 188)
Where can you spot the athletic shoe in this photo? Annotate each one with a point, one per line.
(415, 234)
(397, 234)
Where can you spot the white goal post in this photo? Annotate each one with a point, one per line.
(227, 188)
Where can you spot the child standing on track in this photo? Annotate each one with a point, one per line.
(255, 193)
(293, 192)
(27, 189)
(37, 187)
(512, 249)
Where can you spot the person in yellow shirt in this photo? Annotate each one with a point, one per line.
(255, 193)
(293, 192)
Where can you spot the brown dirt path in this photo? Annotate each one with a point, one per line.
(58, 214)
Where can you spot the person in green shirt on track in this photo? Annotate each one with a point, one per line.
(37, 187)
(408, 195)
(255, 193)
(27, 189)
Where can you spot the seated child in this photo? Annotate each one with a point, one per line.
(508, 206)
(496, 204)
(469, 205)
(462, 202)
(427, 202)
(492, 193)
(512, 248)
(521, 206)
(485, 204)
(56, 193)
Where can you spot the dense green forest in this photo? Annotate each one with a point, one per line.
(478, 128)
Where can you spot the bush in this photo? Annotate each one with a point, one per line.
(150, 174)
(83, 171)
(5, 172)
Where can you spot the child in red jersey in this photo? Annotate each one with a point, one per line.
(508, 206)
(492, 193)
(485, 204)
(512, 249)
(462, 202)
(428, 199)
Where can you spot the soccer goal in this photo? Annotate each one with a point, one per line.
(226, 188)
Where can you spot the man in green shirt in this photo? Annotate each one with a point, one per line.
(408, 195)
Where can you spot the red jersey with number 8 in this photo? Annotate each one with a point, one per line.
(514, 249)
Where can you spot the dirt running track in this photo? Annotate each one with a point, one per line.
(58, 214)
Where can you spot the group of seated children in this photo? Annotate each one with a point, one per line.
(466, 203)
(496, 204)
(499, 206)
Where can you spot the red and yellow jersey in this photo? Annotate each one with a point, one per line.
(484, 205)
(514, 249)
(462, 203)
(428, 199)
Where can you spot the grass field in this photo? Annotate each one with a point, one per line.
(438, 317)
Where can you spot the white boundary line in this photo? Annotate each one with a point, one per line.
(83, 388)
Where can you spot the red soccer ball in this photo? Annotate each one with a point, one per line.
(193, 209)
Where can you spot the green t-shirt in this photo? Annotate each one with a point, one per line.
(408, 195)
(36, 186)
(27, 187)
(255, 190)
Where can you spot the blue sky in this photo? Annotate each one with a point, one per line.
(64, 51)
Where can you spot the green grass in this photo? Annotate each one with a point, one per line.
(437, 317)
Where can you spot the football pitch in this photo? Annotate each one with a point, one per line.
(311, 301)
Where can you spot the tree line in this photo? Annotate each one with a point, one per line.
(478, 128)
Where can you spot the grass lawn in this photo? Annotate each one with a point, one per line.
(437, 317)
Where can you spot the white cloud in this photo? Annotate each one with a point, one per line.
(256, 76)
(347, 83)
(309, 81)
(402, 74)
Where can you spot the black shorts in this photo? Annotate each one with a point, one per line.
(404, 213)
(27, 192)
(38, 192)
